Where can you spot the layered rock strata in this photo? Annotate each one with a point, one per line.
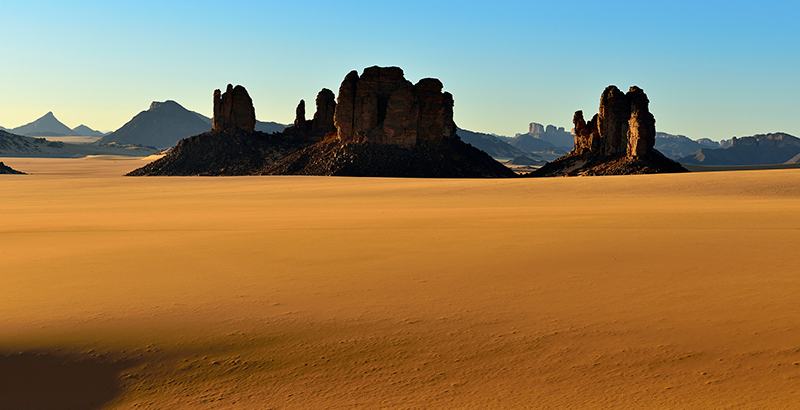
(619, 139)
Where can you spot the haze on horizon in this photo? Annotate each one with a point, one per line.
(710, 71)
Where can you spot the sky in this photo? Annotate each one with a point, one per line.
(711, 69)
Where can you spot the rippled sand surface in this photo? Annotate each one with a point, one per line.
(662, 291)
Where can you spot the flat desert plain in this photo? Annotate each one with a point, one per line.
(659, 291)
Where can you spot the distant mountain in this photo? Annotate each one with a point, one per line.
(161, 126)
(557, 136)
(267, 127)
(47, 125)
(490, 144)
(85, 131)
(531, 143)
(762, 149)
(679, 146)
(18, 146)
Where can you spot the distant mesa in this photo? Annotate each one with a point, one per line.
(5, 169)
(762, 149)
(380, 125)
(618, 140)
(541, 138)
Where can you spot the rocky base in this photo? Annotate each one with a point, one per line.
(333, 157)
(579, 165)
(230, 151)
(5, 169)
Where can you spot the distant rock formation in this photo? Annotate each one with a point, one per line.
(381, 125)
(541, 138)
(5, 169)
(762, 149)
(234, 108)
(618, 140)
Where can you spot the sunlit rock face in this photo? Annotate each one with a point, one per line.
(381, 106)
(234, 108)
(619, 139)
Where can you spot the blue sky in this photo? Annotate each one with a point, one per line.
(711, 69)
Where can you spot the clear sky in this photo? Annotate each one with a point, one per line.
(712, 69)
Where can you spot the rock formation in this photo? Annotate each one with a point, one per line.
(381, 106)
(382, 125)
(234, 108)
(617, 140)
(5, 169)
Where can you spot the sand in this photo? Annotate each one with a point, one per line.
(660, 291)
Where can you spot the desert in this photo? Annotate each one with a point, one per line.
(644, 291)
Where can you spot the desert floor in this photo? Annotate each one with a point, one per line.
(660, 291)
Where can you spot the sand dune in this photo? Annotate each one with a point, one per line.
(658, 291)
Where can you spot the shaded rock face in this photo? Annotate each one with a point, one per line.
(381, 106)
(321, 124)
(234, 108)
(623, 125)
(619, 139)
(5, 169)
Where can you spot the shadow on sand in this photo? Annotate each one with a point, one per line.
(35, 381)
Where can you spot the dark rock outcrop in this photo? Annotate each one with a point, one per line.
(618, 140)
(382, 125)
(5, 169)
(233, 108)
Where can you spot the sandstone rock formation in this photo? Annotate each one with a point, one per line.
(382, 125)
(234, 108)
(381, 106)
(617, 140)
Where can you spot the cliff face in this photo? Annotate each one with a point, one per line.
(619, 139)
(233, 108)
(381, 106)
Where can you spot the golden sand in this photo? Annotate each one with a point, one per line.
(660, 291)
